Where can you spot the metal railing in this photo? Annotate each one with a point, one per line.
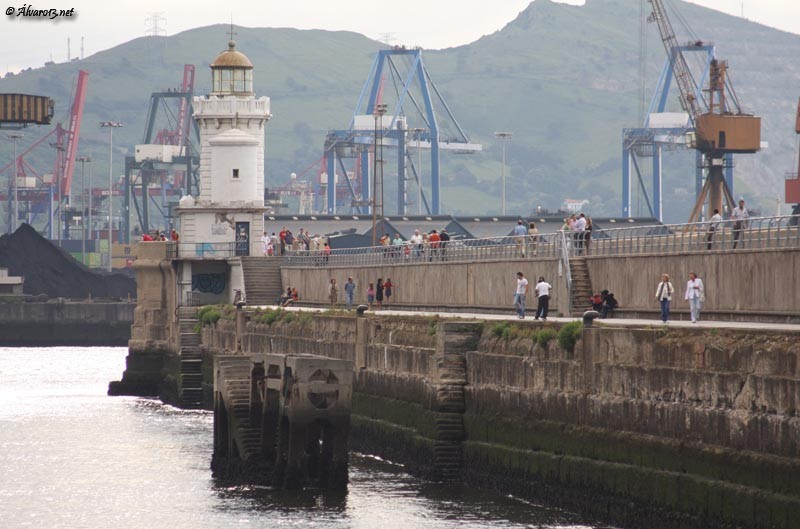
(755, 233)
(565, 248)
(452, 251)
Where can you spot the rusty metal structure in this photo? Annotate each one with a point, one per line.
(721, 127)
(282, 419)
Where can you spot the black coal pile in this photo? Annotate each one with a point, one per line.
(49, 270)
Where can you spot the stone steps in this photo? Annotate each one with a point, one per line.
(262, 279)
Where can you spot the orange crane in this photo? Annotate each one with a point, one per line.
(793, 180)
(66, 145)
(721, 127)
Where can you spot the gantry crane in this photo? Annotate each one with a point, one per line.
(721, 128)
(56, 188)
(793, 179)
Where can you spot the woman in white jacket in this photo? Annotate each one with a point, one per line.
(664, 292)
(695, 294)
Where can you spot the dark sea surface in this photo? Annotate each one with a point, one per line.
(72, 457)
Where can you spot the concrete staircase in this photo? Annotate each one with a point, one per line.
(262, 279)
(235, 372)
(581, 285)
(191, 379)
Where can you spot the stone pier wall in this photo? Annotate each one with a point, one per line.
(633, 425)
(746, 285)
(65, 323)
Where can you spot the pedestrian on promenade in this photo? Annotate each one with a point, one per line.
(379, 293)
(388, 287)
(370, 296)
(533, 238)
(416, 243)
(445, 238)
(519, 295)
(713, 226)
(333, 292)
(265, 242)
(739, 216)
(587, 235)
(349, 292)
(434, 240)
(695, 294)
(664, 296)
(580, 228)
(543, 296)
(519, 237)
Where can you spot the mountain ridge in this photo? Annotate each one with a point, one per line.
(563, 78)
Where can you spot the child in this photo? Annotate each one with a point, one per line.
(370, 295)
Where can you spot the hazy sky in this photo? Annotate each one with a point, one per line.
(28, 42)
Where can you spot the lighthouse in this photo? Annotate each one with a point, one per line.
(225, 220)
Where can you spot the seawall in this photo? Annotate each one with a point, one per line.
(666, 427)
(65, 323)
(747, 285)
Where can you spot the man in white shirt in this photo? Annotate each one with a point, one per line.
(519, 295)
(695, 295)
(416, 243)
(739, 216)
(543, 294)
(580, 227)
(713, 225)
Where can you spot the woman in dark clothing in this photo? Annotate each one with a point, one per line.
(587, 234)
(379, 293)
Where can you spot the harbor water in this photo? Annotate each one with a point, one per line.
(72, 457)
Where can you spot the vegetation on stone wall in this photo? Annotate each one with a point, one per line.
(569, 335)
(545, 336)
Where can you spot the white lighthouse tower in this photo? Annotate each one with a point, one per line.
(225, 221)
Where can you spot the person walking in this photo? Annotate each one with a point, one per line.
(695, 295)
(519, 295)
(739, 216)
(542, 291)
(416, 243)
(533, 238)
(587, 235)
(519, 237)
(349, 292)
(580, 228)
(370, 296)
(713, 226)
(664, 296)
(445, 238)
(333, 292)
(387, 291)
(379, 293)
(265, 242)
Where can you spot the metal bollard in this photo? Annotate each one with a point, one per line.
(589, 316)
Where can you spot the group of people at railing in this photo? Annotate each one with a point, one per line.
(286, 242)
(378, 294)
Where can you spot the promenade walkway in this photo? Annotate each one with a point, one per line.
(622, 322)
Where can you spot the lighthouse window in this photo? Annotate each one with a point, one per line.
(236, 173)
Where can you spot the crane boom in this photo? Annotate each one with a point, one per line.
(683, 76)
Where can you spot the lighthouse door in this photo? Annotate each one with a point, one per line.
(242, 238)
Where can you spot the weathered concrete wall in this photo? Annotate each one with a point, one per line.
(634, 425)
(485, 284)
(65, 323)
(155, 331)
(766, 281)
(757, 284)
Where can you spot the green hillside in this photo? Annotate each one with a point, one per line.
(564, 79)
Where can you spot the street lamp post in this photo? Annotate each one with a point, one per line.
(418, 133)
(379, 111)
(111, 125)
(83, 160)
(503, 137)
(15, 137)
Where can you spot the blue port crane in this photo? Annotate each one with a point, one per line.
(399, 107)
(717, 127)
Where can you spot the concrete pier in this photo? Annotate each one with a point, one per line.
(282, 420)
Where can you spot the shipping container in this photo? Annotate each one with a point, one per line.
(26, 109)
